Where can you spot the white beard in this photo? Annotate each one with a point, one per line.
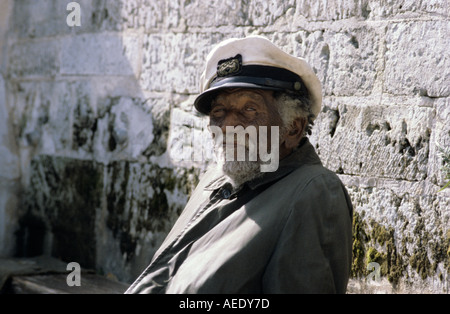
(241, 171)
(238, 171)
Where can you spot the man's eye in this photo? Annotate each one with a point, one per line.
(218, 111)
(250, 109)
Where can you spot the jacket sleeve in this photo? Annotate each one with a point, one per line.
(314, 250)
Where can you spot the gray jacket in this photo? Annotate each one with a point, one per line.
(287, 232)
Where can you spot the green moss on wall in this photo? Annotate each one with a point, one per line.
(62, 200)
(392, 264)
(359, 239)
(374, 242)
(138, 200)
(373, 255)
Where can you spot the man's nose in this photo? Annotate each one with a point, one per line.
(231, 119)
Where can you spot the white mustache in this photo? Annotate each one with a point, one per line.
(240, 141)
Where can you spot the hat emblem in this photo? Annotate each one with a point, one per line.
(229, 66)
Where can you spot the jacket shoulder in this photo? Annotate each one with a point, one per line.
(309, 173)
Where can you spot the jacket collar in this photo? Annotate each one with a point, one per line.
(304, 154)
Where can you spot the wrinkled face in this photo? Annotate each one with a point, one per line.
(247, 109)
(244, 107)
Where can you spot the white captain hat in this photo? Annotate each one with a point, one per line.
(255, 62)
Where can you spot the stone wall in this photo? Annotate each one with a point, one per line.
(92, 118)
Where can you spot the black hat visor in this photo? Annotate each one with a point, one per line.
(252, 77)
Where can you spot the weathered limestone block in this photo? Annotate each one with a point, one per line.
(10, 195)
(380, 141)
(47, 18)
(43, 115)
(352, 66)
(345, 62)
(159, 107)
(215, 13)
(9, 177)
(144, 199)
(262, 13)
(125, 128)
(174, 62)
(9, 163)
(34, 58)
(101, 54)
(74, 119)
(110, 216)
(406, 8)
(182, 14)
(158, 15)
(324, 10)
(108, 15)
(59, 209)
(43, 18)
(405, 232)
(190, 141)
(440, 139)
(417, 60)
(6, 8)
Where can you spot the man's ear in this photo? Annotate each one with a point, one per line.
(295, 133)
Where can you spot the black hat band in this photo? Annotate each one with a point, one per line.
(264, 76)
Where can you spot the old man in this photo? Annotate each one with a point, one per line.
(249, 228)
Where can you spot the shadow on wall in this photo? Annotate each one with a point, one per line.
(9, 161)
(98, 185)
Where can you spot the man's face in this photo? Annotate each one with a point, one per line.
(245, 108)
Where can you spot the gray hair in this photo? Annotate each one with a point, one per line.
(291, 107)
